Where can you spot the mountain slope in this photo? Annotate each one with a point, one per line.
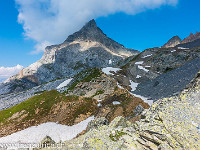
(87, 48)
(170, 123)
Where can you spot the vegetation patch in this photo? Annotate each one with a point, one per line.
(117, 135)
(98, 93)
(84, 76)
(40, 106)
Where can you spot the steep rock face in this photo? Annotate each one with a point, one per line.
(170, 83)
(172, 42)
(87, 48)
(160, 72)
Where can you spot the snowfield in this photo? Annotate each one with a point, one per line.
(108, 69)
(56, 131)
(65, 83)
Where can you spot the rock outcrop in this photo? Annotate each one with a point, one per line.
(172, 42)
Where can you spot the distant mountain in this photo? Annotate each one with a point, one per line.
(87, 48)
(193, 40)
(172, 42)
(192, 37)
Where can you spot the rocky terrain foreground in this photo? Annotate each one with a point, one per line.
(170, 123)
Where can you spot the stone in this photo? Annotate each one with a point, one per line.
(95, 124)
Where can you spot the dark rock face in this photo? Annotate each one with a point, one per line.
(193, 44)
(172, 42)
(170, 83)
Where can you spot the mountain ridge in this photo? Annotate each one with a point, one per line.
(87, 48)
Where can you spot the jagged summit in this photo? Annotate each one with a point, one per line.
(91, 32)
(91, 24)
(192, 37)
(88, 32)
(172, 42)
(193, 40)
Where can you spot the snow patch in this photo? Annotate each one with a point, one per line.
(147, 56)
(110, 61)
(99, 105)
(65, 83)
(138, 76)
(57, 132)
(133, 85)
(116, 103)
(139, 62)
(100, 100)
(182, 48)
(119, 86)
(108, 69)
(142, 68)
(173, 51)
(146, 100)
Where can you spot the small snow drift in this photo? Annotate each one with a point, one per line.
(173, 51)
(108, 70)
(147, 56)
(116, 103)
(119, 86)
(138, 76)
(139, 62)
(56, 131)
(133, 85)
(142, 68)
(65, 83)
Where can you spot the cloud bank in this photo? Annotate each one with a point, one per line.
(51, 21)
(9, 71)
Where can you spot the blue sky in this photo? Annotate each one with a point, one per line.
(150, 28)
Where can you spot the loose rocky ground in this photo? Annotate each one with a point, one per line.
(170, 123)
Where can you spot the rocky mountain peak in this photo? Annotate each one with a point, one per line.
(192, 37)
(90, 25)
(88, 32)
(172, 42)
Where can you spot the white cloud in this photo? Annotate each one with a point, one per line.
(51, 21)
(6, 72)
